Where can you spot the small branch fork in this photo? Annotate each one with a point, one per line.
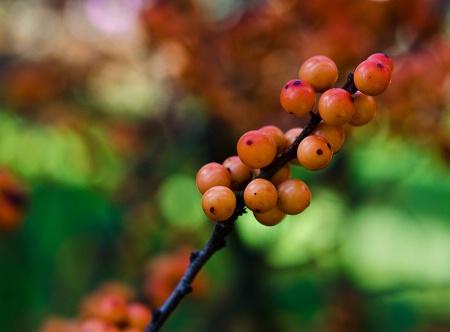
(222, 229)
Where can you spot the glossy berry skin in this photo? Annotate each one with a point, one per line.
(282, 174)
(383, 58)
(278, 137)
(260, 195)
(290, 136)
(218, 203)
(319, 71)
(240, 174)
(314, 153)
(336, 107)
(294, 196)
(210, 175)
(271, 218)
(256, 149)
(372, 77)
(297, 97)
(365, 109)
(335, 135)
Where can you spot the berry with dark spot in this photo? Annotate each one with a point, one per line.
(298, 97)
(314, 153)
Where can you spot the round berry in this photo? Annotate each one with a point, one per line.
(240, 174)
(383, 58)
(260, 195)
(319, 71)
(256, 149)
(271, 218)
(335, 135)
(372, 77)
(336, 106)
(297, 97)
(218, 203)
(291, 135)
(314, 153)
(211, 175)
(112, 308)
(138, 315)
(282, 174)
(293, 196)
(277, 136)
(365, 109)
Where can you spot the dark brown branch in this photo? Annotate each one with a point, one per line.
(222, 229)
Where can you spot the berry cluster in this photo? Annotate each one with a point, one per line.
(110, 308)
(260, 172)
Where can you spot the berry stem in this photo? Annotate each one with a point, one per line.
(221, 230)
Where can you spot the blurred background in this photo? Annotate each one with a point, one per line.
(109, 107)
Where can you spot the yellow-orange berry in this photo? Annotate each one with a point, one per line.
(297, 97)
(271, 218)
(212, 174)
(314, 153)
(260, 195)
(372, 77)
(240, 174)
(256, 149)
(365, 109)
(282, 174)
(218, 203)
(291, 135)
(319, 71)
(277, 136)
(336, 106)
(294, 196)
(335, 135)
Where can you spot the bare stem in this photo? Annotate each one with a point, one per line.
(222, 229)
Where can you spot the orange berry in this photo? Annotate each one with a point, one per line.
(260, 195)
(291, 135)
(335, 135)
(256, 149)
(319, 71)
(365, 109)
(297, 97)
(293, 196)
(240, 174)
(383, 58)
(211, 175)
(282, 174)
(277, 136)
(336, 106)
(112, 307)
(97, 325)
(139, 316)
(372, 77)
(270, 218)
(218, 203)
(314, 153)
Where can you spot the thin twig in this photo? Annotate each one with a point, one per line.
(222, 229)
